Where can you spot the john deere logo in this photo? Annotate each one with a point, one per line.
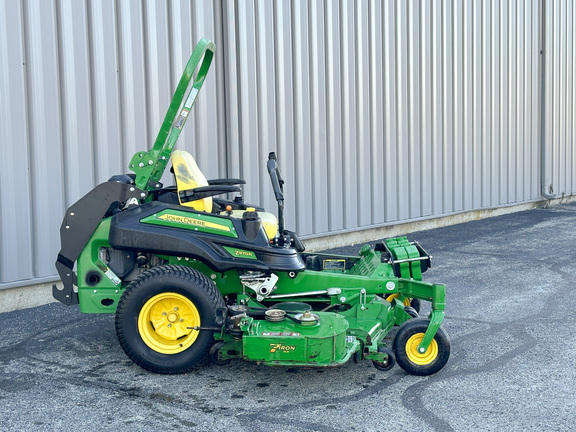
(191, 221)
(282, 348)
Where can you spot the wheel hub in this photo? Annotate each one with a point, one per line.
(164, 323)
(415, 354)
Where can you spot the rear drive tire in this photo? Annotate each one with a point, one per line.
(154, 314)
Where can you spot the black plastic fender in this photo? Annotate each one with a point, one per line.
(80, 222)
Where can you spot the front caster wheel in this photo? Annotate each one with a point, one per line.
(406, 342)
(411, 311)
(214, 354)
(388, 363)
(155, 316)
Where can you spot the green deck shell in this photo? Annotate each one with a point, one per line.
(288, 343)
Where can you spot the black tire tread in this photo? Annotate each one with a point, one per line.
(411, 327)
(186, 274)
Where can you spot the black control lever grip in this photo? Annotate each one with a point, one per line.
(277, 181)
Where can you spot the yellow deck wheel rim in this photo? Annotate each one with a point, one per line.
(391, 297)
(164, 320)
(418, 358)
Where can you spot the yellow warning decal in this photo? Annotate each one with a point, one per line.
(191, 221)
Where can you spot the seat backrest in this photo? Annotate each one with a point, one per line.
(188, 176)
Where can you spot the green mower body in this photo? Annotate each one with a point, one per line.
(190, 279)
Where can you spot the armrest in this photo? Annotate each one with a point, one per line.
(226, 181)
(205, 192)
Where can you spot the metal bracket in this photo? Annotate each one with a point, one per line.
(262, 286)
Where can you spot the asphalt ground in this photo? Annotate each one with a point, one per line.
(510, 316)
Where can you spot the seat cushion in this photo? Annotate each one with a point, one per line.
(188, 176)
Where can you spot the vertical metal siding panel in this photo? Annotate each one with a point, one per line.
(448, 105)
(426, 108)
(467, 142)
(438, 167)
(248, 81)
(495, 99)
(349, 127)
(319, 102)
(525, 102)
(547, 132)
(556, 88)
(536, 102)
(362, 102)
(564, 119)
(476, 138)
(231, 90)
(414, 144)
(377, 95)
(503, 106)
(75, 101)
(285, 137)
(157, 65)
(15, 184)
(204, 138)
(403, 112)
(220, 87)
(459, 105)
(533, 177)
(132, 74)
(557, 143)
(562, 147)
(181, 40)
(105, 94)
(487, 98)
(511, 108)
(45, 132)
(571, 93)
(469, 122)
(519, 102)
(334, 115)
(302, 143)
(266, 100)
(391, 112)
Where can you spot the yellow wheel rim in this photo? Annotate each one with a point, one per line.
(164, 320)
(418, 358)
(391, 297)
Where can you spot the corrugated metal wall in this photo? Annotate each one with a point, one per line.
(380, 112)
(559, 128)
(85, 84)
(386, 111)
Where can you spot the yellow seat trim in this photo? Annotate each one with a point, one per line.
(188, 176)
